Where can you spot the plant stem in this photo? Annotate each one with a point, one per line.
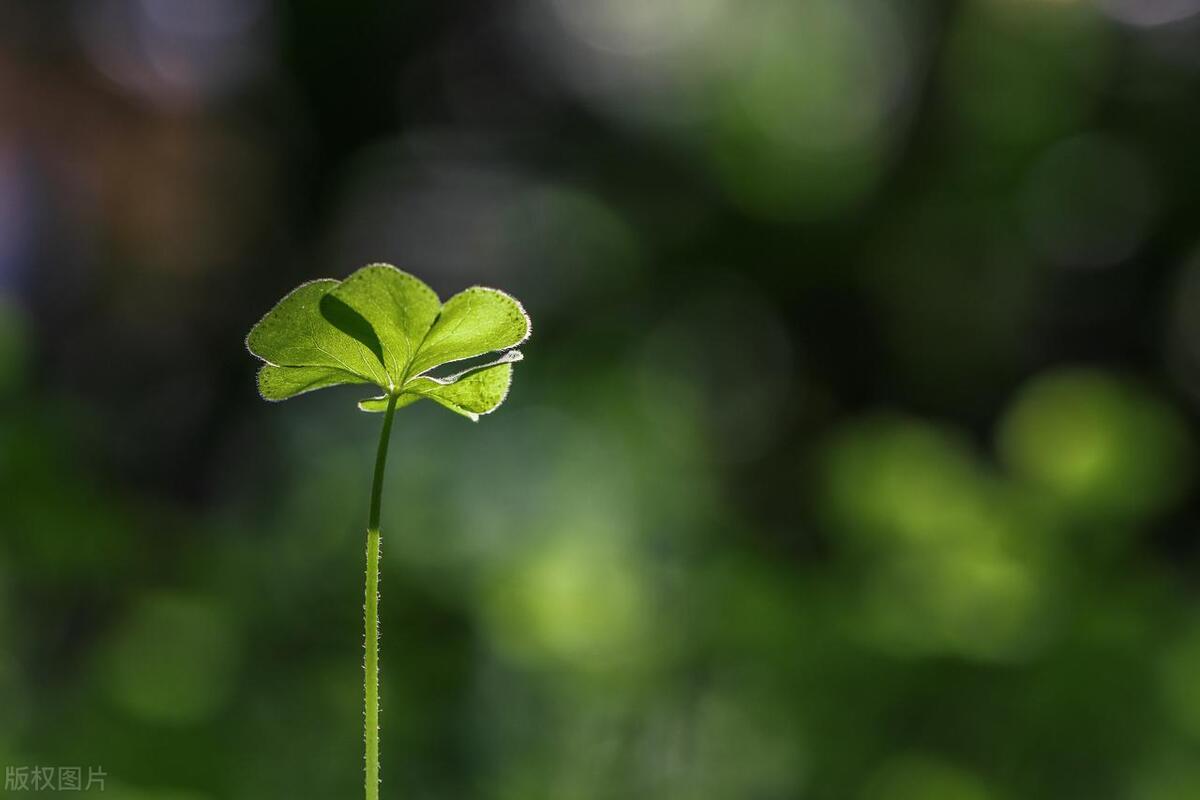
(371, 613)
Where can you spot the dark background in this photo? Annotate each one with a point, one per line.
(851, 457)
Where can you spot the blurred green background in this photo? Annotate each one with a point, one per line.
(851, 459)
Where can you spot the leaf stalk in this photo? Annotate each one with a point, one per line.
(371, 613)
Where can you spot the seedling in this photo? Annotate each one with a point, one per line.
(386, 328)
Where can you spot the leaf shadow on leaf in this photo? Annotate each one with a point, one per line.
(341, 316)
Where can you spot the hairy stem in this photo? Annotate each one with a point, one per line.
(371, 614)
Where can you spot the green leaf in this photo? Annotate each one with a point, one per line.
(480, 392)
(297, 332)
(473, 322)
(385, 327)
(475, 391)
(280, 383)
(400, 308)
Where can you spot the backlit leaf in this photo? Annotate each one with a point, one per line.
(385, 327)
(297, 332)
(472, 393)
(399, 307)
(473, 322)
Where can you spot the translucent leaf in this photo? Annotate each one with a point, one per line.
(385, 327)
(280, 383)
(509, 357)
(377, 405)
(399, 307)
(472, 322)
(298, 332)
(478, 393)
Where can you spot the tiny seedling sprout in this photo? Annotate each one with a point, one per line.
(385, 328)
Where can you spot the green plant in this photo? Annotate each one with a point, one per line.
(385, 327)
